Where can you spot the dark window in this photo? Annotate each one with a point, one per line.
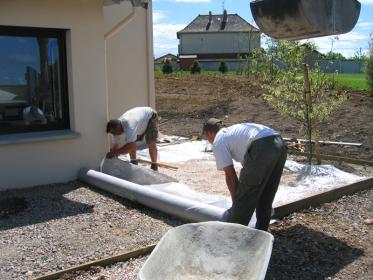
(33, 83)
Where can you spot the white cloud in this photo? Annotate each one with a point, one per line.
(365, 25)
(347, 44)
(366, 2)
(159, 15)
(165, 40)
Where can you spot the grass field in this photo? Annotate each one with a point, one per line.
(354, 81)
(348, 81)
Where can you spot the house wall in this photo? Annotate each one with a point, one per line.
(218, 42)
(129, 53)
(48, 161)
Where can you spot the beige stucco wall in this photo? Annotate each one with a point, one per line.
(129, 53)
(28, 164)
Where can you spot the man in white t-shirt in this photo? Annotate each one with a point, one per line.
(262, 153)
(134, 125)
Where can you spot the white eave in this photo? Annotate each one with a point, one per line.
(135, 3)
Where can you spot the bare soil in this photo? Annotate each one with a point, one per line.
(184, 103)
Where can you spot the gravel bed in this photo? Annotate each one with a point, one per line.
(52, 227)
(48, 228)
(333, 241)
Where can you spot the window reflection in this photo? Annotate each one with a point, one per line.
(33, 93)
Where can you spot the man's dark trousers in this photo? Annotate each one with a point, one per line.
(258, 181)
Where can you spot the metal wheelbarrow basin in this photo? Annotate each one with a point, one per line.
(209, 250)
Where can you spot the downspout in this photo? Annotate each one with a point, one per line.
(150, 55)
(118, 27)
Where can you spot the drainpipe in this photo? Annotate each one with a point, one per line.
(107, 36)
(120, 25)
(150, 55)
(171, 204)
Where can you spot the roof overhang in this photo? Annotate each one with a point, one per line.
(135, 3)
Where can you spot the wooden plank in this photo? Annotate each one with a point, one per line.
(336, 158)
(327, 142)
(322, 197)
(158, 163)
(102, 262)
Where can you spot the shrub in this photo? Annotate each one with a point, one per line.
(195, 68)
(223, 67)
(167, 67)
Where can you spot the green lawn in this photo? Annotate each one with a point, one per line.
(354, 81)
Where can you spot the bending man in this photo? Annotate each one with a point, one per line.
(262, 153)
(133, 125)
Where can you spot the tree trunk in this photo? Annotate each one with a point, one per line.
(308, 103)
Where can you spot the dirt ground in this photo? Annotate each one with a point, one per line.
(184, 103)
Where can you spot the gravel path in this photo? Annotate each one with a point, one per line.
(329, 242)
(53, 227)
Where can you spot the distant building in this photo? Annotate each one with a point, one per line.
(216, 37)
(168, 56)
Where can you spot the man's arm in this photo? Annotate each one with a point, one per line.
(129, 147)
(231, 180)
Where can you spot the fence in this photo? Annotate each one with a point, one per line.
(239, 65)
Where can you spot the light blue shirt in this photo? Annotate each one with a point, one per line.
(231, 143)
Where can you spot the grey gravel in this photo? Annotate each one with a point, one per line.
(329, 242)
(62, 225)
(68, 224)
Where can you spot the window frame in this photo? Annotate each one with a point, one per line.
(60, 35)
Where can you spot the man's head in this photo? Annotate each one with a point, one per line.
(211, 128)
(114, 127)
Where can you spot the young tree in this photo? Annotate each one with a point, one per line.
(369, 69)
(311, 100)
(223, 67)
(195, 68)
(167, 67)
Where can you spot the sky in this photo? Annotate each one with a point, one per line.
(170, 16)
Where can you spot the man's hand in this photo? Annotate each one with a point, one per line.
(111, 154)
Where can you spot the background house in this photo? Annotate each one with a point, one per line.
(67, 67)
(168, 56)
(216, 37)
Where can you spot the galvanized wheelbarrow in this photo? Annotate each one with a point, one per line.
(209, 250)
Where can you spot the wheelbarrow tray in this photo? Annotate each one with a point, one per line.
(209, 250)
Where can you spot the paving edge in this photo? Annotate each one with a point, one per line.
(322, 197)
(102, 262)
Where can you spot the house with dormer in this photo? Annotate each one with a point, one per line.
(216, 37)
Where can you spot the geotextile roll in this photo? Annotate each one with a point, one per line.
(183, 208)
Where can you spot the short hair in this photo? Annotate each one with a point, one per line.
(212, 125)
(112, 124)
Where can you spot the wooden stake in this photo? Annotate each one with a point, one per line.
(103, 262)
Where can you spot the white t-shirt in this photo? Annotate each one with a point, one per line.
(134, 122)
(232, 142)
